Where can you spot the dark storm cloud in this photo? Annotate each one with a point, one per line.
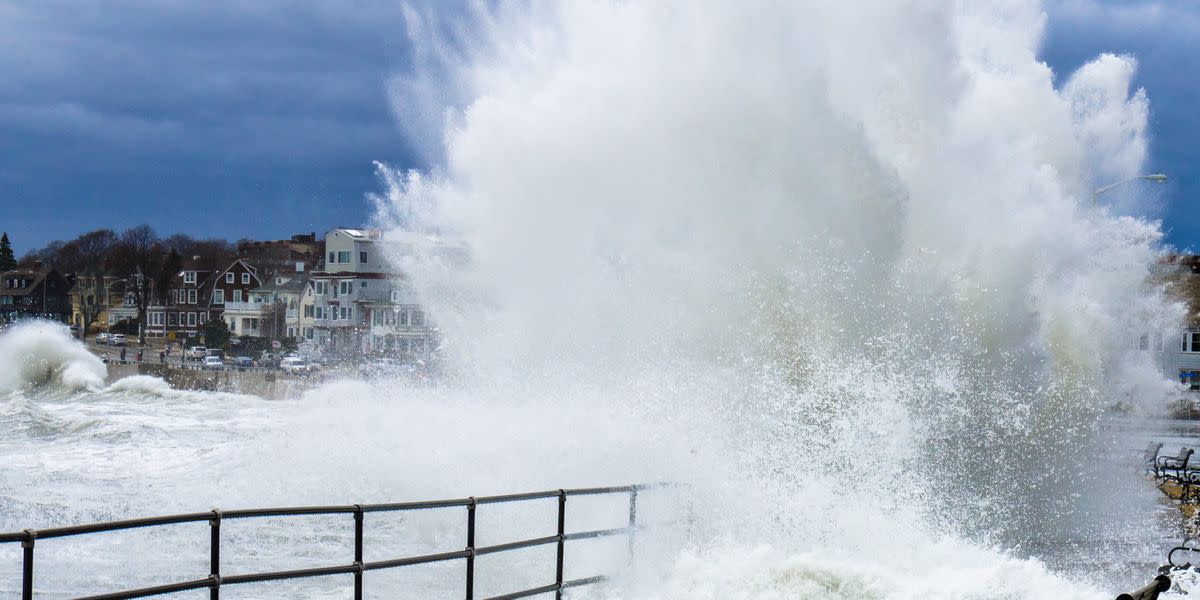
(195, 109)
(263, 118)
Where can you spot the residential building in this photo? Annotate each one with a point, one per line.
(231, 295)
(400, 326)
(278, 308)
(352, 275)
(102, 296)
(182, 311)
(305, 320)
(41, 292)
(1177, 353)
(297, 255)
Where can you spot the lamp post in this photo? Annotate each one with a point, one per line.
(1155, 177)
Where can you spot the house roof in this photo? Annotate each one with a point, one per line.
(35, 278)
(295, 285)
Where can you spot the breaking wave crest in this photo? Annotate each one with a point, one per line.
(44, 353)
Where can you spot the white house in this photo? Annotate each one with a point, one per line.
(352, 275)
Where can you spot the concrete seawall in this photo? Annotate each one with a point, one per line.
(271, 385)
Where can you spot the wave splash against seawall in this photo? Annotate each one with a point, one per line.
(838, 269)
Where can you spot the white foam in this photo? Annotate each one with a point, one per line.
(40, 352)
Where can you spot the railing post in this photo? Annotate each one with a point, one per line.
(214, 555)
(562, 540)
(471, 548)
(27, 565)
(358, 551)
(633, 494)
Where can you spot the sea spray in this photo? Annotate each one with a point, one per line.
(42, 352)
(835, 268)
(848, 248)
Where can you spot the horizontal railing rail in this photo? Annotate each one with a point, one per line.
(214, 580)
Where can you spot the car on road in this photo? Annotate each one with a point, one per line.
(195, 353)
(116, 339)
(295, 365)
(101, 338)
(75, 331)
(243, 361)
(213, 362)
(217, 352)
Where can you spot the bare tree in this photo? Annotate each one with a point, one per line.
(89, 257)
(138, 259)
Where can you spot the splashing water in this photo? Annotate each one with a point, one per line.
(834, 266)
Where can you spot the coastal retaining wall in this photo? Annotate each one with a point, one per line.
(264, 384)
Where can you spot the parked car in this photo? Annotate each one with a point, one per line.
(75, 331)
(243, 361)
(101, 338)
(217, 352)
(195, 353)
(116, 339)
(213, 362)
(295, 365)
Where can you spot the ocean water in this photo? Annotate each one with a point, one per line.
(835, 267)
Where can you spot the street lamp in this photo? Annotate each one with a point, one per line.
(1155, 177)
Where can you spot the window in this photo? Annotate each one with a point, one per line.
(404, 317)
(245, 278)
(229, 278)
(1144, 342)
(253, 323)
(345, 313)
(191, 296)
(189, 277)
(319, 312)
(1191, 341)
(418, 318)
(362, 257)
(203, 318)
(174, 296)
(364, 284)
(191, 319)
(233, 326)
(345, 286)
(331, 261)
(308, 332)
(1191, 379)
(319, 288)
(308, 310)
(237, 295)
(344, 256)
(218, 296)
(171, 319)
(279, 281)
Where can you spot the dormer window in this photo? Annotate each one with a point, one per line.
(189, 277)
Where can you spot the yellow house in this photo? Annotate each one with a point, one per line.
(101, 305)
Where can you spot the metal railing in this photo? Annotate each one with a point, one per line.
(215, 580)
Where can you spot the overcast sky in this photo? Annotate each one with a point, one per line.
(262, 119)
